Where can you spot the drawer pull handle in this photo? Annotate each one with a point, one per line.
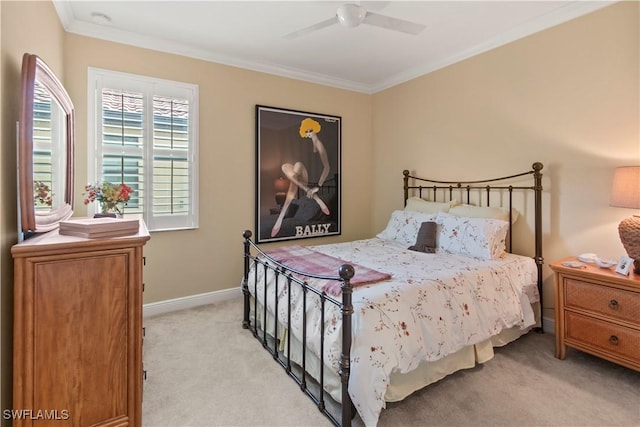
(613, 304)
(613, 340)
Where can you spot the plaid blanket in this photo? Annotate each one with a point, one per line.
(307, 260)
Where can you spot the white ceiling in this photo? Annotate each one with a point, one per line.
(249, 34)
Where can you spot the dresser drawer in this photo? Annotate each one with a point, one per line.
(614, 339)
(614, 303)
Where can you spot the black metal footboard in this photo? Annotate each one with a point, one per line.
(288, 277)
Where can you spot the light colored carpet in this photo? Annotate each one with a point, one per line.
(203, 369)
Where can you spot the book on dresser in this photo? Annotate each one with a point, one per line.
(96, 228)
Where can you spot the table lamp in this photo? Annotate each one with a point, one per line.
(625, 193)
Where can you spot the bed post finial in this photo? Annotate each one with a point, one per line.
(346, 272)
(406, 185)
(245, 278)
(537, 166)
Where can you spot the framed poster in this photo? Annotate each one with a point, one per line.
(298, 192)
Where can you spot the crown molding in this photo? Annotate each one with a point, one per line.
(551, 19)
(134, 39)
(556, 17)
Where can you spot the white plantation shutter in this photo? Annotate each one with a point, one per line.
(171, 178)
(145, 135)
(121, 136)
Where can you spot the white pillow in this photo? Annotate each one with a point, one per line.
(420, 205)
(482, 238)
(471, 211)
(403, 226)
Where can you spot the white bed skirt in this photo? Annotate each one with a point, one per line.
(401, 385)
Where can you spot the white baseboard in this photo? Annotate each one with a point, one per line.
(167, 306)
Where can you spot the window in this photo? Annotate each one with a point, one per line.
(143, 132)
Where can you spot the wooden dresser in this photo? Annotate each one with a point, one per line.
(598, 312)
(77, 355)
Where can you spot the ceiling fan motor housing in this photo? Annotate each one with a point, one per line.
(351, 15)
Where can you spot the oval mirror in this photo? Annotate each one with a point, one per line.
(45, 149)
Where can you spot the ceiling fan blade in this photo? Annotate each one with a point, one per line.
(312, 28)
(395, 24)
(374, 5)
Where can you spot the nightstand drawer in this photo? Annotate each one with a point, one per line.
(613, 339)
(596, 298)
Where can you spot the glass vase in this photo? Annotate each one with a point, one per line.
(110, 210)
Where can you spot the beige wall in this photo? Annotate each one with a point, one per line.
(182, 263)
(179, 263)
(566, 97)
(31, 27)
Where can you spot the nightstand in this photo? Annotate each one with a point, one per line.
(598, 312)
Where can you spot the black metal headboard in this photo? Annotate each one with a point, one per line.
(446, 191)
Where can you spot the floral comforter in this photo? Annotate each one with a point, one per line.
(434, 305)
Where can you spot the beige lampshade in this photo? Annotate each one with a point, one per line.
(625, 193)
(625, 190)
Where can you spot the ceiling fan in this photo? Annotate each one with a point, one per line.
(351, 15)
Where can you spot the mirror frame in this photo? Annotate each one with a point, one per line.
(34, 68)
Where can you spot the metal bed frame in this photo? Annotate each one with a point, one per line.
(287, 276)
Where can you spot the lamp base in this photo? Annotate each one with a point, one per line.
(280, 198)
(629, 230)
